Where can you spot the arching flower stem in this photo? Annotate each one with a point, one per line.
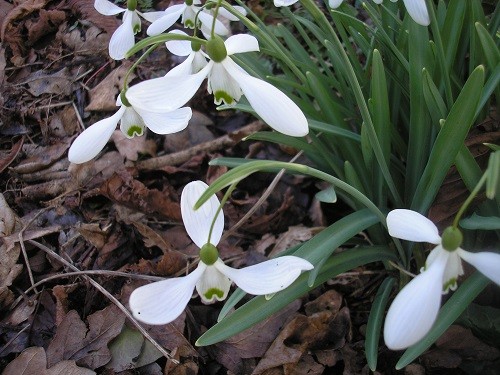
(469, 199)
(225, 198)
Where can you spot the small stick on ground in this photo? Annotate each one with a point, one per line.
(180, 157)
(112, 298)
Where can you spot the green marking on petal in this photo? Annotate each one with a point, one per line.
(222, 96)
(189, 24)
(209, 294)
(137, 28)
(450, 285)
(135, 130)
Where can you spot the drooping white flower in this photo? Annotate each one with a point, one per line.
(415, 308)
(133, 121)
(163, 301)
(188, 12)
(123, 38)
(227, 81)
(416, 8)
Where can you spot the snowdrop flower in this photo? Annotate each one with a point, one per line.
(416, 8)
(227, 81)
(163, 301)
(123, 38)
(188, 11)
(133, 121)
(416, 307)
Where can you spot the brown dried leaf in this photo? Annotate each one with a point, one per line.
(42, 157)
(132, 148)
(253, 342)
(34, 361)
(293, 236)
(59, 83)
(87, 346)
(6, 160)
(47, 22)
(103, 96)
(122, 188)
(20, 11)
(326, 329)
(92, 42)
(86, 9)
(5, 8)
(9, 253)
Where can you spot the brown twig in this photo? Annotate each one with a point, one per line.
(180, 157)
(112, 298)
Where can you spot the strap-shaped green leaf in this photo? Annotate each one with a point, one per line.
(449, 141)
(259, 308)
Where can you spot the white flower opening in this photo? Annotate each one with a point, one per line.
(227, 81)
(162, 302)
(415, 309)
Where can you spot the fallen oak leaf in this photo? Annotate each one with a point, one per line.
(87, 346)
(34, 361)
(9, 158)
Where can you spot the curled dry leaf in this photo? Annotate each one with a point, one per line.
(87, 346)
(42, 157)
(9, 253)
(34, 361)
(59, 83)
(47, 22)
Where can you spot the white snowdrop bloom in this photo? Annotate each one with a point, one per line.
(123, 38)
(416, 8)
(163, 301)
(415, 308)
(227, 81)
(187, 11)
(133, 121)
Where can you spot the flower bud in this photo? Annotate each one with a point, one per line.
(209, 254)
(216, 49)
(451, 239)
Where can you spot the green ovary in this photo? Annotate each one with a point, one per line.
(210, 293)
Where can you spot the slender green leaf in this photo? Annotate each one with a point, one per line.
(327, 195)
(375, 320)
(449, 141)
(476, 222)
(259, 308)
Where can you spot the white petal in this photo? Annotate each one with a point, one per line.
(213, 285)
(166, 93)
(334, 3)
(206, 19)
(415, 308)
(123, 38)
(487, 263)
(184, 69)
(223, 86)
(170, 15)
(272, 105)
(418, 11)
(198, 222)
(167, 122)
(452, 270)
(267, 277)
(152, 16)
(189, 16)
(380, 1)
(93, 139)
(229, 16)
(179, 47)
(412, 226)
(107, 7)
(284, 3)
(241, 43)
(163, 301)
(131, 123)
